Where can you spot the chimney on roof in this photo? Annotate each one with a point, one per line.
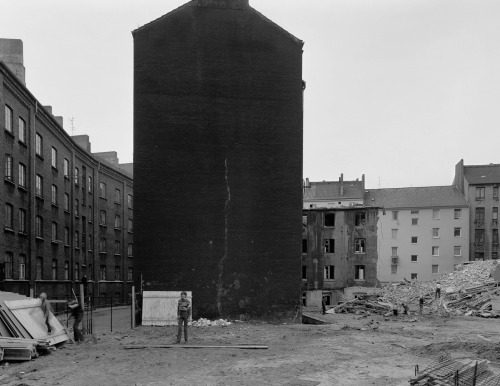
(341, 180)
(363, 180)
(11, 53)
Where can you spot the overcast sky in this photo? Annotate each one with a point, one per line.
(398, 90)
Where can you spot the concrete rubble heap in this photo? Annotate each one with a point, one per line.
(202, 322)
(468, 290)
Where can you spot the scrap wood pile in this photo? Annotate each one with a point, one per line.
(466, 291)
(453, 372)
(23, 333)
(202, 322)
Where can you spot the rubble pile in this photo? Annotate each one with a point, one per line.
(467, 290)
(202, 322)
(360, 306)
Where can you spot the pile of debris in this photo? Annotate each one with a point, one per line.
(468, 291)
(23, 333)
(202, 322)
(454, 372)
(360, 306)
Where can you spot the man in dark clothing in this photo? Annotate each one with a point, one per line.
(323, 305)
(183, 308)
(77, 313)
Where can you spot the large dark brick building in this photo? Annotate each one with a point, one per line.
(66, 212)
(218, 158)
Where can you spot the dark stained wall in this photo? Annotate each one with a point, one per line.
(218, 159)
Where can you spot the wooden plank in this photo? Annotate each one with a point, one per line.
(159, 308)
(139, 346)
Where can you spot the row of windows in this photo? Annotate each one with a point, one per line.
(9, 125)
(480, 214)
(479, 236)
(481, 192)
(457, 215)
(457, 232)
(39, 274)
(329, 246)
(414, 276)
(457, 251)
(329, 219)
(9, 218)
(329, 272)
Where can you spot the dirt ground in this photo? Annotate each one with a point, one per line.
(354, 350)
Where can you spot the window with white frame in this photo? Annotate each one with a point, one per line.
(329, 272)
(457, 232)
(66, 270)
(414, 276)
(435, 268)
(394, 251)
(9, 168)
(39, 145)
(53, 194)
(359, 272)
(9, 216)
(414, 221)
(394, 214)
(457, 214)
(414, 211)
(457, 250)
(22, 221)
(118, 221)
(130, 201)
(435, 233)
(66, 168)
(414, 258)
(435, 251)
(39, 185)
(118, 247)
(54, 157)
(329, 245)
(8, 119)
(77, 176)
(54, 231)
(102, 190)
(54, 269)
(22, 131)
(480, 193)
(130, 250)
(22, 267)
(359, 246)
(117, 196)
(66, 236)
(435, 214)
(21, 178)
(102, 217)
(394, 269)
(90, 184)
(414, 239)
(9, 264)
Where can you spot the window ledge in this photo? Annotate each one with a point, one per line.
(22, 188)
(10, 133)
(54, 168)
(103, 253)
(39, 156)
(39, 197)
(8, 230)
(360, 253)
(66, 245)
(9, 181)
(118, 229)
(22, 233)
(129, 231)
(118, 254)
(39, 238)
(22, 143)
(55, 205)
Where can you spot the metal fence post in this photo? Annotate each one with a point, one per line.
(133, 308)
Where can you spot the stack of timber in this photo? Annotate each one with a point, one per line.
(23, 333)
(360, 306)
(466, 291)
(451, 372)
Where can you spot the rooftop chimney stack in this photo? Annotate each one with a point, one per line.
(11, 53)
(341, 180)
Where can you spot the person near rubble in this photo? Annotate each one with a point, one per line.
(437, 295)
(183, 308)
(46, 310)
(323, 305)
(405, 308)
(421, 304)
(77, 313)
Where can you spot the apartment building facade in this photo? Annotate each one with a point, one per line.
(423, 232)
(339, 239)
(67, 212)
(479, 183)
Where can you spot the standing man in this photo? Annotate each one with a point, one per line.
(77, 313)
(421, 304)
(183, 308)
(323, 305)
(46, 310)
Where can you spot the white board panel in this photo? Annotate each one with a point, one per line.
(159, 308)
(29, 313)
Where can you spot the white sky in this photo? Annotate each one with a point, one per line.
(399, 90)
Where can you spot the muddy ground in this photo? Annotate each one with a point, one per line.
(354, 350)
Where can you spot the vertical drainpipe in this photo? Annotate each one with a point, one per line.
(72, 214)
(123, 247)
(97, 227)
(32, 203)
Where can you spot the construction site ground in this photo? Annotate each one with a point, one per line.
(353, 350)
